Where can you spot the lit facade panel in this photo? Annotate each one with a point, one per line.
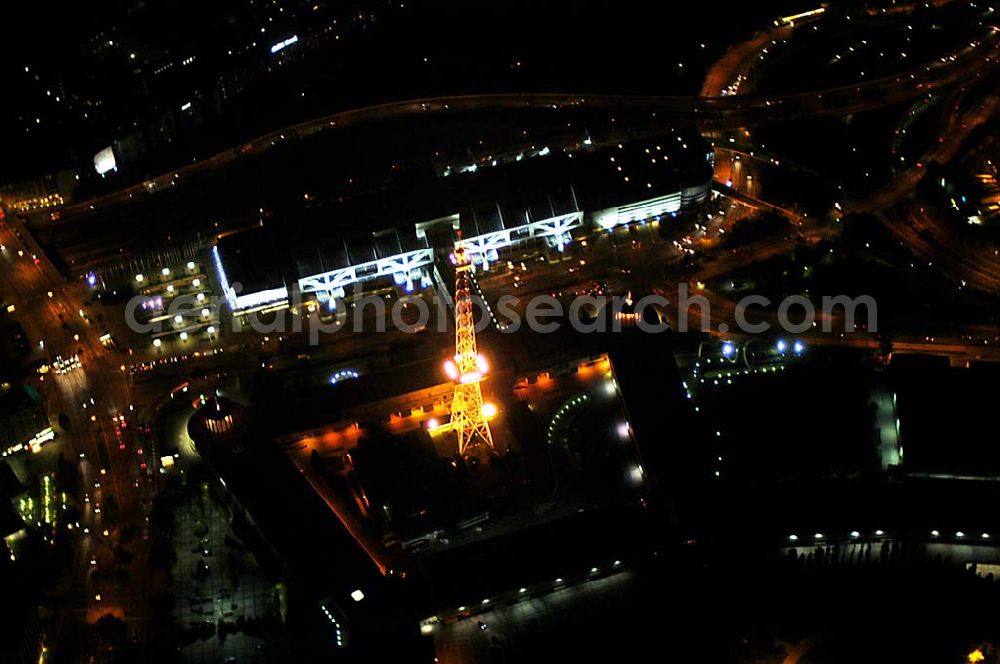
(691, 196)
(555, 227)
(256, 299)
(385, 267)
(104, 161)
(24, 425)
(220, 270)
(249, 269)
(451, 221)
(32, 444)
(630, 182)
(653, 207)
(39, 194)
(284, 43)
(539, 212)
(640, 211)
(343, 262)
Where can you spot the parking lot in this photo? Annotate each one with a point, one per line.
(216, 580)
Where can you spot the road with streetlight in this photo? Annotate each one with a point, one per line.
(731, 111)
(97, 401)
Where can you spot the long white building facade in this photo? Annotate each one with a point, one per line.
(550, 201)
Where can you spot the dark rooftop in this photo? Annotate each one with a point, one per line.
(10, 486)
(21, 415)
(250, 259)
(380, 222)
(301, 529)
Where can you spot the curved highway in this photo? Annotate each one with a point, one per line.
(711, 112)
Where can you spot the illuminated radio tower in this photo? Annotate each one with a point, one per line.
(468, 415)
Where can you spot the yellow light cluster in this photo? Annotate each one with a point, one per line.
(37, 203)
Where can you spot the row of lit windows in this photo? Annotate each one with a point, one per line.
(37, 203)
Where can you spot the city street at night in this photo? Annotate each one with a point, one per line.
(468, 334)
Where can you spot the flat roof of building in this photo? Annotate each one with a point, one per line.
(302, 530)
(380, 222)
(251, 259)
(21, 415)
(10, 486)
(643, 169)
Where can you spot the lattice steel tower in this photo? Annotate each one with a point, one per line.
(468, 419)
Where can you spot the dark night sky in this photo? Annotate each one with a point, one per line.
(631, 35)
(43, 39)
(45, 36)
(48, 41)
